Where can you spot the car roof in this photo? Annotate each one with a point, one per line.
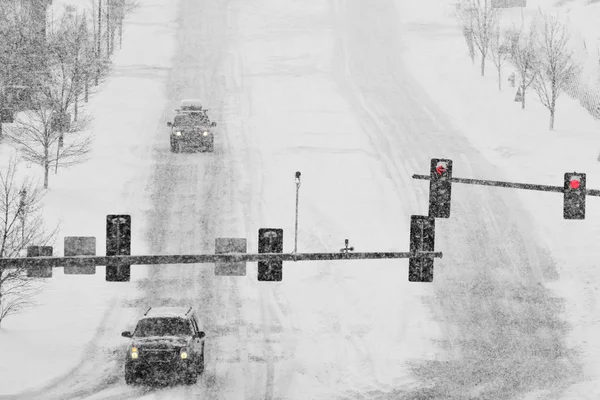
(195, 103)
(174, 312)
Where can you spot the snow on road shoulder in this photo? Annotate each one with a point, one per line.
(525, 150)
(333, 328)
(114, 181)
(51, 339)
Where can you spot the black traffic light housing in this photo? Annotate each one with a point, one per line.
(574, 196)
(270, 240)
(118, 243)
(440, 188)
(422, 238)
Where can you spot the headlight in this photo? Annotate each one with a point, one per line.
(205, 133)
(183, 354)
(178, 133)
(134, 353)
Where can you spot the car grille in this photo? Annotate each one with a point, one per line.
(159, 356)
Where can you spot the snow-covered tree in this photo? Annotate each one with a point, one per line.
(22, 55)
(71, 61)
(21, 225)
(523, 55)
(46, 139)
(480, 19)
(555, 63)
(121, 9)
(499, 52)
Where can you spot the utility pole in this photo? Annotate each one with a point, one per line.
(107, 28)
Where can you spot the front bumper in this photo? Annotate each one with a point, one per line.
(195, 140)
(159, 370)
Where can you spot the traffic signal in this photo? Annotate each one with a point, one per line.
(39, 271)
(574, 196)
(270, 240)
(422, 235)
(80, 246)
(440, 188)
(118, 243)
(230, 245)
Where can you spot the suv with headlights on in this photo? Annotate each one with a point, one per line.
(191, 128)
(167, 344)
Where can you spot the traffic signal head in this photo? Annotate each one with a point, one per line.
(422, 238)
(41, 271)
(230, 245)
(270, 240)
(440, 188)
(574, 196)
(118, 243)
(80, 246)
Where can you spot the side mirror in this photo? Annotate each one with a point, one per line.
(213, 124)
(126, 334)
(201, 335)
(169, 124)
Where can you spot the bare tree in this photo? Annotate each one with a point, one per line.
(524, 57)
(38, 132)
(21, 225)
(74, 58)
(80, 59)
(466, 21)
(123, 7)
(499, 52)
(481, 19)
(114, 15)
(67, 61)
(556, 67)
(110, 15)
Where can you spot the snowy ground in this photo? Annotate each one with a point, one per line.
(328, 89)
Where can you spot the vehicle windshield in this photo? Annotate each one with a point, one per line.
(163, 327)
(190, 119)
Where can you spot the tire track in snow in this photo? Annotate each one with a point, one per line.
(275, 342)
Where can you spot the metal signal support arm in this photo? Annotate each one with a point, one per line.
(514, 185)
(203, 258)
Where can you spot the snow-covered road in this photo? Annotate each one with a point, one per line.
(321, 87)
(502, 328)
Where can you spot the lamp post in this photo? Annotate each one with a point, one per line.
(296, 228)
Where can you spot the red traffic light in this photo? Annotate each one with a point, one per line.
(574, 182)
(441, 168)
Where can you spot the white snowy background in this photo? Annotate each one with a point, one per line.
(358, 97)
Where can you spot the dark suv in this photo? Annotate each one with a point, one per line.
(167, 344)
(191, 128)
